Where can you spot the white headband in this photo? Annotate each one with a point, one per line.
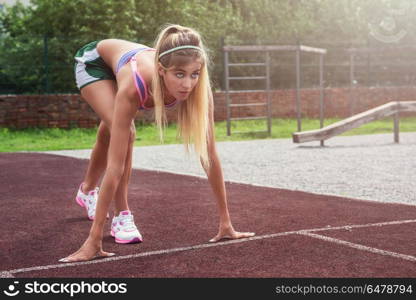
(179, 48)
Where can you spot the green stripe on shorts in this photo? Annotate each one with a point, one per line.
(90, 67)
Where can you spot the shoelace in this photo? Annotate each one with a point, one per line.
(127, 221)
(92, 202)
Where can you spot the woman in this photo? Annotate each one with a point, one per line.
(118, 77)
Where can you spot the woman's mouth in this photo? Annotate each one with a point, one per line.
(183, 93)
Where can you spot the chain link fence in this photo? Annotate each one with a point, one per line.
(43, 65)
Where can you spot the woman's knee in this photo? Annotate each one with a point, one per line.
(103, 134)
(115, 172)
(132, 133)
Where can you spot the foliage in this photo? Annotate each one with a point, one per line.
(68, 24)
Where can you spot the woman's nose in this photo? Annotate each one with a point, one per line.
(186, 83)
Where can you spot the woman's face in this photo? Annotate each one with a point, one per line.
(180, 81)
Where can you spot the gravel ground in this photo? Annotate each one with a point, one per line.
(370, 167)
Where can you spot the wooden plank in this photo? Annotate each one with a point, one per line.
(407, 106)
(346, 124)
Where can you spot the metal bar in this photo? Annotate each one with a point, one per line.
(247, 78)
(368, 65)
(275, 48)
(298, 108)
(379, 49)
(227, 94)
(246, 64)
(269, 107)
(352, 83)
(246, 132)
(261, 48)
(46, 62)
(246, 91)
(396, 119)
(312, 49)
(250, 118)
(248, 104)
(321, 93)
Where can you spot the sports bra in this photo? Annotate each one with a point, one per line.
(140, 84)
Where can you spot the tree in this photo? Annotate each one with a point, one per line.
(61, 27)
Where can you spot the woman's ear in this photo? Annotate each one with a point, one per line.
(161, 70)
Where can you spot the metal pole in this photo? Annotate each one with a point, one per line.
(222, 44)
(321, 93)
(46, 62)
(298, 108)
(352, 83)
(396, 119)
(227, 92)
(269, 104)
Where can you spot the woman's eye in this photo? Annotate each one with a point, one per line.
(195, 75)
(179, 75)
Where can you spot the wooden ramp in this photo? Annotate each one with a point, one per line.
(379, 112)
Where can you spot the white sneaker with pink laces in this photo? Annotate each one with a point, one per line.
(124, 230)
(88, 201)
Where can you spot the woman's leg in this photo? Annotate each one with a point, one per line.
(98, 159)
(100, 96)
(121, 194)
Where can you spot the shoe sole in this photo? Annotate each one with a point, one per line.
(120, 241)
(133, 241)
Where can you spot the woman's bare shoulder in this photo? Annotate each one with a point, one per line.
(146, 65)
(116, 43)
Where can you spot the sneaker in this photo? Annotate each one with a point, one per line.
(88, 201)
(124, 230)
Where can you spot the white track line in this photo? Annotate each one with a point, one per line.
(359, 247)
(209, 245)
(348, 227)
(6, 274)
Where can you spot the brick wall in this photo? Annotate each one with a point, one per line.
(69, 110)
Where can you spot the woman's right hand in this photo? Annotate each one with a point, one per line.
(89, 250)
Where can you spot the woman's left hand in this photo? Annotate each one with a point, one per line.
(230, 233)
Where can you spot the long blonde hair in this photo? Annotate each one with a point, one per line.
(193, 117)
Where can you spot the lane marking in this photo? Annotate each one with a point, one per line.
(209, 245)
(359, 247)
(6, 274)
(348, 227)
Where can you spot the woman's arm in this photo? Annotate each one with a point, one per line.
(216, 180)
(124, 113)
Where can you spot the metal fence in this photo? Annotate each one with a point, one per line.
(40, 64)
(383, 65)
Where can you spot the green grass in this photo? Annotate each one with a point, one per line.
(77, 138)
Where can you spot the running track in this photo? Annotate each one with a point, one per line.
(297, 234)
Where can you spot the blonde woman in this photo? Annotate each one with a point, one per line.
(116, 78)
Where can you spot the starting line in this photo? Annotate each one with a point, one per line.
(304, 232)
